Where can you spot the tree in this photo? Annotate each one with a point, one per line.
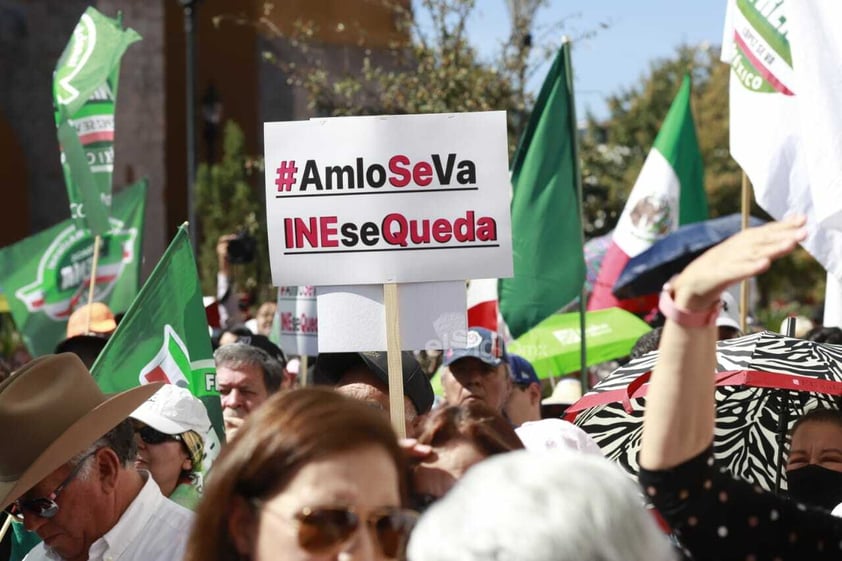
(227, 203)
(432, 68)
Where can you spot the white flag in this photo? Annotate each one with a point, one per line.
(786, 120)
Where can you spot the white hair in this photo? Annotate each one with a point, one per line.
(553, 506)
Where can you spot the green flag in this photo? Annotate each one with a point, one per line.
(549, 266)
(84, 92)
(46, 276)
(164, 335)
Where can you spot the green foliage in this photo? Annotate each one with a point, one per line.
(227, 203)
(432, 69)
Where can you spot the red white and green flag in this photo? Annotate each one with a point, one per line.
(46, 276)
(164, 335)
(785, 112)
(84, 93)
(668, 193)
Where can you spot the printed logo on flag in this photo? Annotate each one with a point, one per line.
(172, 363)
(651, 217)
(761, 59)
(65, 268)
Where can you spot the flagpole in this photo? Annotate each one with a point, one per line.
(746, 209)
(568, 68)
(97, 241)
(6, 524)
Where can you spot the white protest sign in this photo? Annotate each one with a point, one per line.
(406, 198)
(299, 326)
(352, 318)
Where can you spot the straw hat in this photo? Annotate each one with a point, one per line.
(51, 409)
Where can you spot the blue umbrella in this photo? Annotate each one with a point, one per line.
(646, 273)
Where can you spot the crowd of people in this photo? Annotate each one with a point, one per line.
(317, 472)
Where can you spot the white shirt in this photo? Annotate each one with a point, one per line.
(153, 527)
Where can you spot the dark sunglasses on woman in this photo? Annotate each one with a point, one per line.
(322, 530)
(151, 436)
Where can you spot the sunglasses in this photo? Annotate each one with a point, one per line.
(44, 507)
(152, 436)
(422, 501)
(324, 530)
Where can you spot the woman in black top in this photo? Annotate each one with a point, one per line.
(713, 515)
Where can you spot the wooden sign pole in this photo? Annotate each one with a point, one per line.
(393, 355)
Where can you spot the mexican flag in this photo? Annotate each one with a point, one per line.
(668, 193)
(483, 309)
(786, 120)
(46, 276)
(547, 239)
(164, 335)
(84, 92)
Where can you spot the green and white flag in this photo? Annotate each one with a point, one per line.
(164, 335)
(84, 94)
(46, 276)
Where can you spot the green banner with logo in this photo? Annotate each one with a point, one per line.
(84, 93)
(164, 335)
(46, 276)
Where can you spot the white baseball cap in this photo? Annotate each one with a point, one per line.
(728, 313)
(173, 410)
(567, 392)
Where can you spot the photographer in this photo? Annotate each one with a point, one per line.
(231, 249)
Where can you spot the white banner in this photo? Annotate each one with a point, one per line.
(408, 198)
(298, 320)
(353, 318)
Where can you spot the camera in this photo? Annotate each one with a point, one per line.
(242, 248)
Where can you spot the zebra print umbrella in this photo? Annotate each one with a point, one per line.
(765, 382)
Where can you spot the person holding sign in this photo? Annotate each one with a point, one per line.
(364, 376)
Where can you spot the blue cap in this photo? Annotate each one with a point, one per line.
(522, 372)
(481, 343)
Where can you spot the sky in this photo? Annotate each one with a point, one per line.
(639, 31)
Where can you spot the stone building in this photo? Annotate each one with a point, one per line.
(151, 114)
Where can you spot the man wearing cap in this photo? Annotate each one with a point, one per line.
(524, 402)
(245, 376)
(175, 442)
(480, 371)
(66, 468)
(365, 376)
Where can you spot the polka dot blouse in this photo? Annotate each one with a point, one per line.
(716, 517)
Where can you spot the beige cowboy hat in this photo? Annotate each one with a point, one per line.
(51, 410)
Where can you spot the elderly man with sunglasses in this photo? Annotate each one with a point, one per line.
(66, 471)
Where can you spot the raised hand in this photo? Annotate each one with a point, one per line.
(744, 255)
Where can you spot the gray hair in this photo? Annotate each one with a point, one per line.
(120, 439)
(551, 506)
(237, 355)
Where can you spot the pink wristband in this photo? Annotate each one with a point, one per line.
(686, 318)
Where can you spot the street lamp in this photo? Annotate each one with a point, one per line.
(211, 117)
(189, 7)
